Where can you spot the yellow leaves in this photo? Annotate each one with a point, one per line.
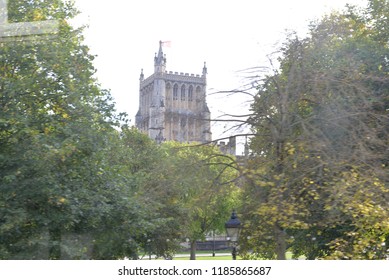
(289, 148)
(48, 130)
(297, 224)
(60, 111)
(259, 171)
(261, 183)
(377, 183)
(58, 200)
(271, 184)
(291, 151)
(38, 15)
(259, 178)
(278, 177)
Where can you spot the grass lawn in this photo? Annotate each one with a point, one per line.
(223, 256)
(220, 255)
(207, 258)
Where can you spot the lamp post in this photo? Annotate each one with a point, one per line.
(213, 243)
(149, 247)
(233, 226)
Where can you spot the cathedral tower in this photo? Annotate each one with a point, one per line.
(172, 105)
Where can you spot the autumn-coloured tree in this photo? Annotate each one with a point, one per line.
(319, 166)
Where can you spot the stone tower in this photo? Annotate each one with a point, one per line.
(172, 105)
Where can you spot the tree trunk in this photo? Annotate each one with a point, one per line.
(55, 243)
(193, 250)
(280, 242)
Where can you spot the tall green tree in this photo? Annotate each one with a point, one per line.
(127, 163)
(205, 182)
(54, 122)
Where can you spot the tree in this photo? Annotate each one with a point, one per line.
(195, 187)
(377, 15)
(320, 145)
(55, 124)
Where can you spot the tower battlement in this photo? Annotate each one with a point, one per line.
(182, 74)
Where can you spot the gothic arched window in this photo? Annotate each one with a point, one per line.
(198, 92)
(168, 87)
(190, 93)
(168, 91)
(183, 95)
(175, 92)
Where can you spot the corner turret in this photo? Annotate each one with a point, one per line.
(205, 72)
(141, 76)
(160, 60)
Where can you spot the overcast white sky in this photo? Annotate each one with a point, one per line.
(229, 35)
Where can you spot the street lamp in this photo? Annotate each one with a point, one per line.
(233, 226)
(149, 247)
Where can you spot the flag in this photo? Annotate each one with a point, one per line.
(167, 44)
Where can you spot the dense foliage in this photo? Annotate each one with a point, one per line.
(77, 183)
(74, 182)
(199, 181)
(317, 183)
